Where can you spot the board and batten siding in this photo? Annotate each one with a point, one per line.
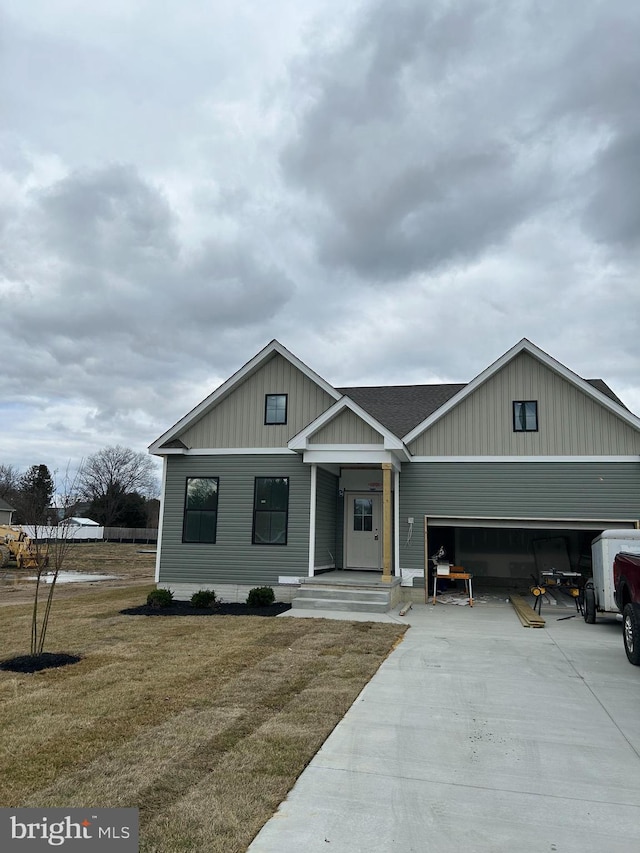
(571, 490)
(570, 423)
(346, 428)
(233, 558)
(326, 515)
(238, 420)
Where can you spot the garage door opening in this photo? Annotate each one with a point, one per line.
(510, 553)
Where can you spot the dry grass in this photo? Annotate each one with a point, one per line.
(131, 564)
(204, 723)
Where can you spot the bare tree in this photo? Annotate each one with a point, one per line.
(51, 544)
(9, 483)
(110, 475)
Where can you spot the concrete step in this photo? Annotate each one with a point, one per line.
(340, 604)
(318, 591)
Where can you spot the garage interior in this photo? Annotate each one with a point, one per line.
(511, 554)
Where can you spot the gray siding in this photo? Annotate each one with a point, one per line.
(326, 512)
(514, 490)
(238, 420)
(569, 422)
(233, 558)
(346, 428)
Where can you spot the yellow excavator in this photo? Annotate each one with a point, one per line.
(16, 545)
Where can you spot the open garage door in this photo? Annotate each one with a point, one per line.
(511, 551)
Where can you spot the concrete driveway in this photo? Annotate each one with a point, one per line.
(478, 734)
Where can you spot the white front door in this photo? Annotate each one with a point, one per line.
(363, 531)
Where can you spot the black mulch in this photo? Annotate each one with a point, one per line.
(185, 608)
(34, 663)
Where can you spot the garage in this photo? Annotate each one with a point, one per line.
(511, 553)
(504, 520)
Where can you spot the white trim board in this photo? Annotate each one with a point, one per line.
(160, 520)
(533, 523)
(312, 518)
(525, 459)
(350, 457)
(234, 451)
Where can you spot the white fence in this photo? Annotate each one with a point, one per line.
(92, 534)
(47, 531)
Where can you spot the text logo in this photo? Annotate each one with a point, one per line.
(69, 829)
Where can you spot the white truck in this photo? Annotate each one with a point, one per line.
(599, 590)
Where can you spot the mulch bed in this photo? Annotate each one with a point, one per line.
(35, 663)
(185, 608)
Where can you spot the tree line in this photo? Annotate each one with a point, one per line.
(117, 487)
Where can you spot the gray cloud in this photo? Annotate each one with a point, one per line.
(363, 181)
(97, 274)
(612, 214)
(434, 131)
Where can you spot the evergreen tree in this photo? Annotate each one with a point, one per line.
(36, 493)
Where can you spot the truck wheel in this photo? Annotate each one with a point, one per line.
(631, 633)
(5, 556)
(589, 604)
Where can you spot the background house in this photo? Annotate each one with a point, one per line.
(6, 512)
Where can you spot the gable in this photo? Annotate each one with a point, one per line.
(346, 428)
(570, 422)
(237, 420)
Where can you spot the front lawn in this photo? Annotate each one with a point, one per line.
(203, 723)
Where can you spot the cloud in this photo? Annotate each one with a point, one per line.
(433, 131)
(95, 278)
(397, 191)
(612, 214)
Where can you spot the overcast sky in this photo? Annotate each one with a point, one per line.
(397, 191)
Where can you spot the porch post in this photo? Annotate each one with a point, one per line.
(312, 519)
(386, 521)
(396, 523)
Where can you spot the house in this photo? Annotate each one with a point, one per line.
(78, 521)
(6, 512)
(278, 476)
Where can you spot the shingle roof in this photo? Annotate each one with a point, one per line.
(400, 408)
(4, 504)
(601, 385)
(175, 443)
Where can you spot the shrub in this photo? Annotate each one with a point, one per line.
(260, 596)
(203, 598)
(160, 598)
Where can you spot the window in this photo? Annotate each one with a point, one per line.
(200, 510)
(363, 514)
(275, 409)
(270, 511)
(525, 416)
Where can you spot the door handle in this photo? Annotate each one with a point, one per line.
(376, 537)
